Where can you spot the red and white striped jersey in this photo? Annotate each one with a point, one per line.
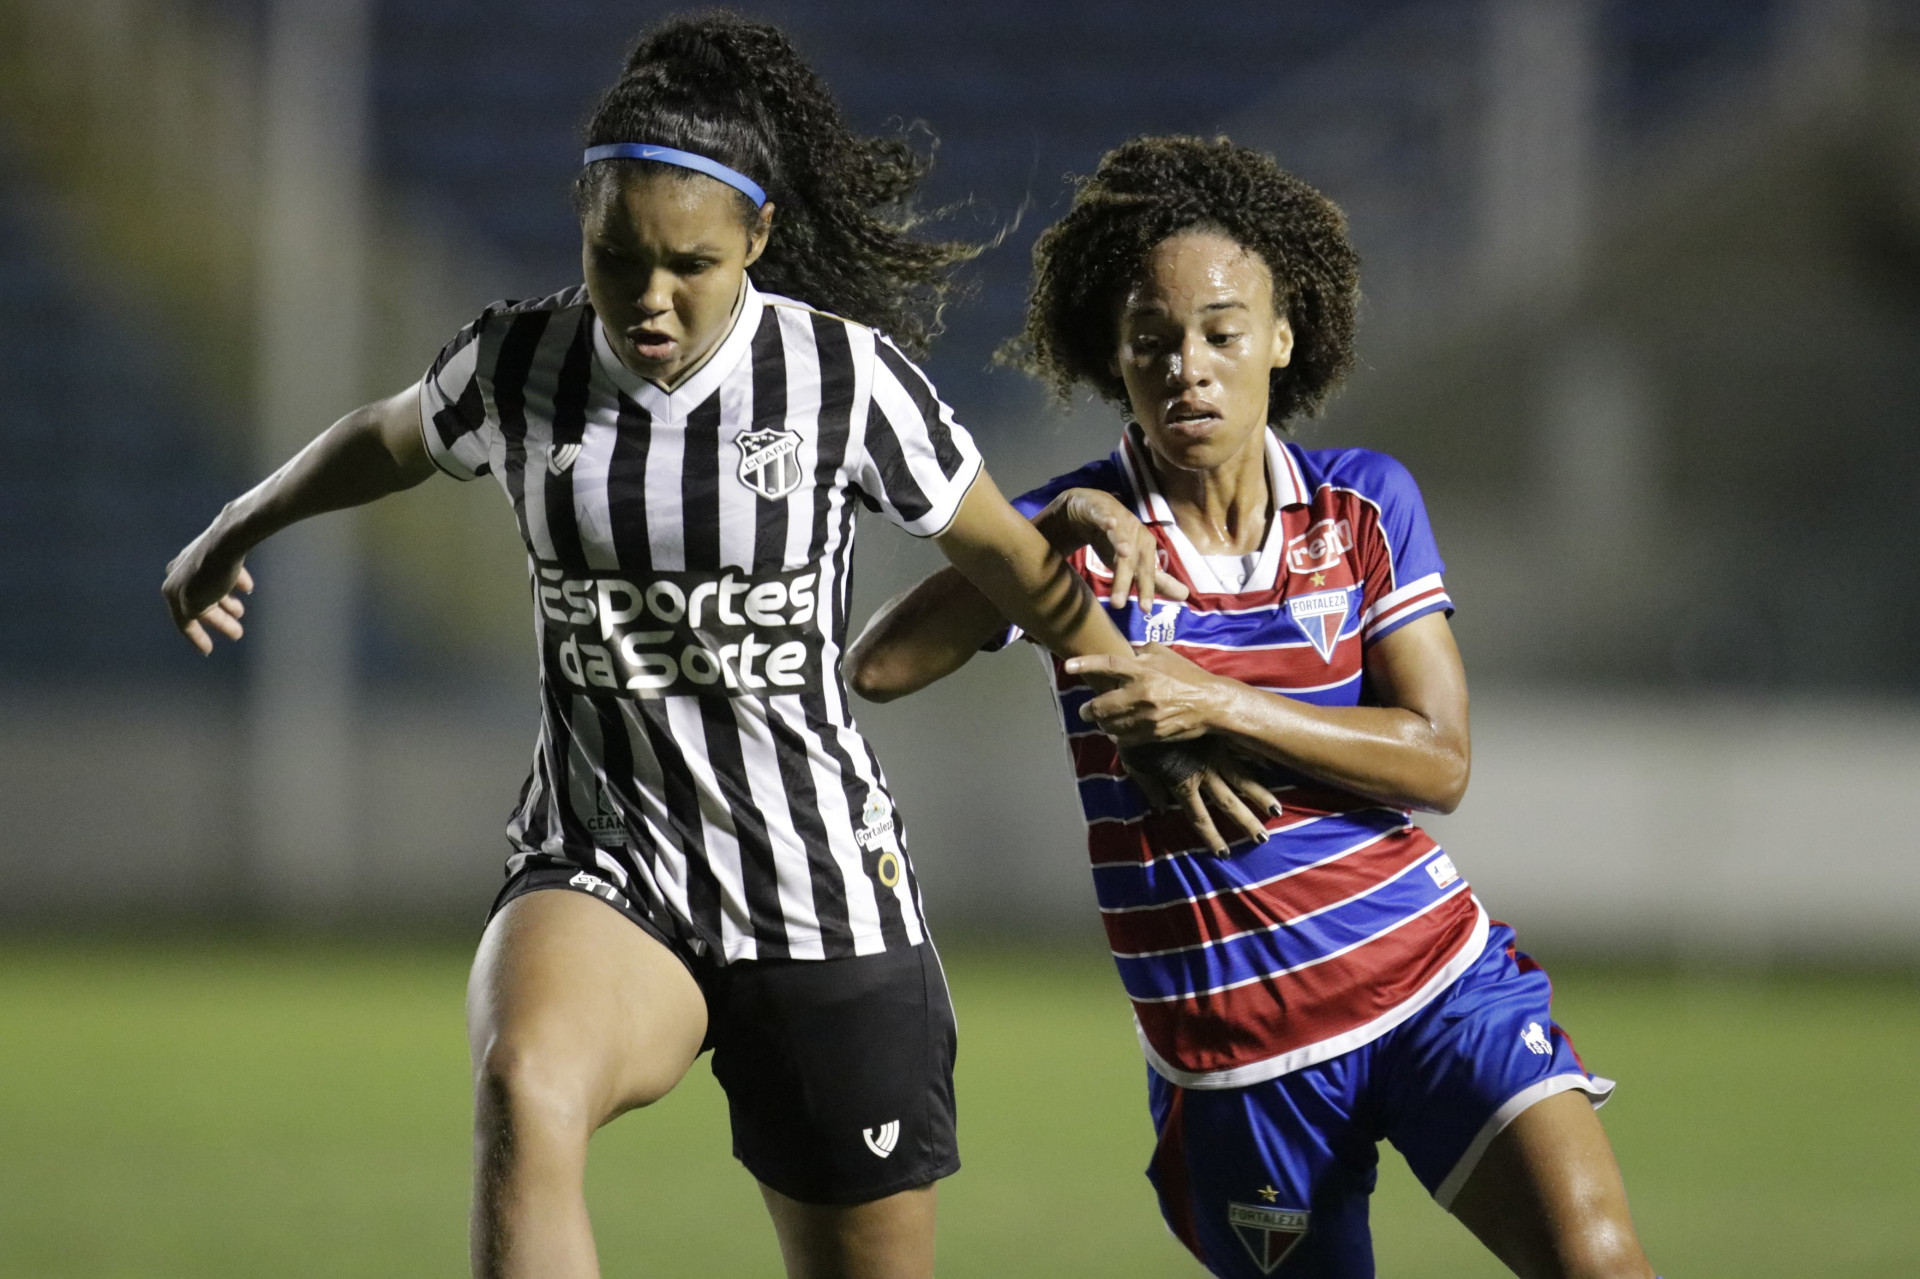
(1349, 918)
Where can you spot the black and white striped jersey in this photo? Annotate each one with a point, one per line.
(689, 555)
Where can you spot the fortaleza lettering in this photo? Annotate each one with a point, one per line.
(731, 634)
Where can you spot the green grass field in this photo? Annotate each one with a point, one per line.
(225, 1109)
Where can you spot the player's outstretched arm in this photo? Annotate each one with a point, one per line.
(369, 453)
(921, 635)
(1023, 577)
(1005, 570)
(927, 633)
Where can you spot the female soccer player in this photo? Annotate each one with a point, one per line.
(683, 445)
(1335, 982)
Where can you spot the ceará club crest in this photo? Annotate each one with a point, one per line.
(770, 462)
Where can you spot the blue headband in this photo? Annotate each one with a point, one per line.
(685, 159)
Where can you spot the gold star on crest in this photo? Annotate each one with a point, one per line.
(1269, 1194)
(1319, 579)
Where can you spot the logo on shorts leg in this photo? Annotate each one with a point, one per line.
(883, 1139)
(1268, 1233)
(1536, 1040)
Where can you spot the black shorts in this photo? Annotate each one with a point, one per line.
(838, 1072)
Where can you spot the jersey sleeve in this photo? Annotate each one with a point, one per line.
(461, 435)
(1402, 568)
(916, 462)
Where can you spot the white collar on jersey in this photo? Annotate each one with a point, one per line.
(1285, 483)
(670, 406)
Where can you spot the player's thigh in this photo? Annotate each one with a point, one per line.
(573, 1005)
(1547, 1199)
(1271, 1179)
(887, 1238)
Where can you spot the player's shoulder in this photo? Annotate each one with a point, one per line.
(497, 319)
(1105, 474)
(864, 344)
(1378, 477)
(782, 302)
(864, 338)
(507, 309)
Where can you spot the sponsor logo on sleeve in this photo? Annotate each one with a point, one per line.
(769, 462)
(1536, 1040)
(1320, 617)
(1442, 871)
(1320, 547)
(729, 634)
(563, 457)
(1269, 1234)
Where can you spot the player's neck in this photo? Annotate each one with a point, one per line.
(1223, 511)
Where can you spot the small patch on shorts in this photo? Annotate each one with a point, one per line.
(883, 1139)
(1269, 1234)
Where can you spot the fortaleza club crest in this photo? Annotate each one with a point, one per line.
(769, 462)
(1320, 617)
(1268, 1233)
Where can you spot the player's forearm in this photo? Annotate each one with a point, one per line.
(920, 636)
(1024, 578)
(363, 457)
(1387, 753)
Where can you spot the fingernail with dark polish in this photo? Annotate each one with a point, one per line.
(1273, 810)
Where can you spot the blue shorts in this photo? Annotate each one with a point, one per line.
(1273, 1179)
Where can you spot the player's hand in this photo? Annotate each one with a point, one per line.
(1089, 517)
(203, 588)
(1198, 778)
(1155, 695)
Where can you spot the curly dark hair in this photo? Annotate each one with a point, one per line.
(737, 91)
(1150, 188)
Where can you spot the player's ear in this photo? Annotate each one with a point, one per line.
(1282, 342)
(758, 237)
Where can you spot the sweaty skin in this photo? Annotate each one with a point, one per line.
(665, 260)
(665, 257)
(1199, 334)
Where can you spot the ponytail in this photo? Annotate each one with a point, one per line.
(737, 92)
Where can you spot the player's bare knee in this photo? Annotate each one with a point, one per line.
(1605, 1250)
(532, 1092)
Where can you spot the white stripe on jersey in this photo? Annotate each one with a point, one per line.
(793, 881)
(690, 591)
(719, 838)
(666, 871)
(590, 470)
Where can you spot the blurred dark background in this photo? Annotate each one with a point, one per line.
(1643, 316)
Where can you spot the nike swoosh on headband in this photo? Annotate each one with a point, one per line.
(684, 159)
